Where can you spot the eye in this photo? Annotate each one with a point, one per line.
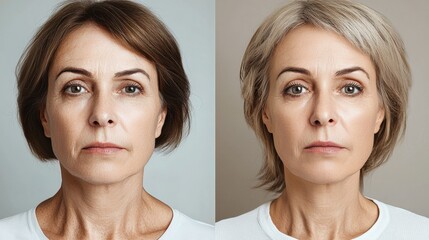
(132, 89)
(295, 90)
(351, 89)
(74, 89)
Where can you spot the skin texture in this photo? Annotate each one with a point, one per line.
(91, 100)
(322, 88)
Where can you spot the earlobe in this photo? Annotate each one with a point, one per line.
(379, 120)
(267, 120)
(161, 119)
(44, 121)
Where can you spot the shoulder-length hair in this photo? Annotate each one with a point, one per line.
(364, 28)
(132, 25)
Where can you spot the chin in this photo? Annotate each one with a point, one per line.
(320, 179)
(322, 174)
(103, 178)
(102, 173)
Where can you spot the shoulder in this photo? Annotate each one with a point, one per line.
(19, 226)
(246, 226)
(241, 222)
(405, 224)
(197, 227)
(184, 227)
(13, 227)
(407, 221)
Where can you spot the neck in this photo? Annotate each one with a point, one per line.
(323, 211)
(94, 211)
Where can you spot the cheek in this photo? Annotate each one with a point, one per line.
(359, 125)
(138, 121)
(137, 124)
(65, 130)
(289, 129)
(358, 120)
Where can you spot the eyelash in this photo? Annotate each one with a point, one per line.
(290, 86)
(66, 89)
(72, 84)
(133, 84)
(357, 86)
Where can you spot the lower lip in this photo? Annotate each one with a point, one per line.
(323, 149)
(98, 150)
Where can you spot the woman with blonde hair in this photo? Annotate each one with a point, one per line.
(325, 87)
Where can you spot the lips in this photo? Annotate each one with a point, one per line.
(102, 148)
(323, 147)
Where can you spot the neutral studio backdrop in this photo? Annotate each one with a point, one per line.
(403, 181)
(184, 179)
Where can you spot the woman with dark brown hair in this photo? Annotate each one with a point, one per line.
(100, 87)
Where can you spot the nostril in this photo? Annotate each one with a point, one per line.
(317, 122)
(331, 120)
(102, 122)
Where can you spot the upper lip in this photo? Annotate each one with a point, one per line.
(102, 145)
(324, 144)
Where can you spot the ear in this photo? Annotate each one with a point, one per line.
(161, 120)
(44, 121)
(266, 118)
(379, 119)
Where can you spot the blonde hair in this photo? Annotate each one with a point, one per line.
(364, 28)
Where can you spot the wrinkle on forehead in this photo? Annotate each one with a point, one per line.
(319, 51)
(96, 49)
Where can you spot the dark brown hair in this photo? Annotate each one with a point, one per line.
(134, 26)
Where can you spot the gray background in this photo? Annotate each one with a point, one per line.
(184, 179)
(403, 181)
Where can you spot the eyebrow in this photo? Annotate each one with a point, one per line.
(132, 71)
(338, 73)
(80, 71)
(84, 72)
(350, 70)
(295, 70)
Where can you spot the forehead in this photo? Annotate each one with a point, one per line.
(94, 49)
(317, 49)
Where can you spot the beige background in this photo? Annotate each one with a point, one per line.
(403, 181)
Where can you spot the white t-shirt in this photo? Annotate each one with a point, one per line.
(392, 223)
(24, 226)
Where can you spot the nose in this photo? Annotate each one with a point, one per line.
(323, 111)
(102, 114)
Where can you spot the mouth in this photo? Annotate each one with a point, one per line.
(102, 148)
(323, 147)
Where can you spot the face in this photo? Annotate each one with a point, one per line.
(323, 108)
(103, 108)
